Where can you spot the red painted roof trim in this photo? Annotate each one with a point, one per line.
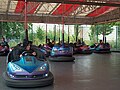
(99, 11)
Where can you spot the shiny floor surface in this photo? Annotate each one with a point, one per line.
(88, 72)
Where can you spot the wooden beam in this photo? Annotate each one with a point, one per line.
(108, 17)
(45, 19)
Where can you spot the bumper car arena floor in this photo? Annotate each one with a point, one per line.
(87, 72)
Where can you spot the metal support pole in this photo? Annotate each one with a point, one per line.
(97, 34)
(76, 32)
(82, 33)
(68, 35)
(46, 33)
(1, 28)
(26, 26)
(116, 37)
(59, 33)
(32, 34)
(62, 30)
(103, 34)
(54, 32)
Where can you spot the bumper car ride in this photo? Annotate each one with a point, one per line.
(83, 50)
(61, 53)
(28, 71)
(104, 48)
(43, 50)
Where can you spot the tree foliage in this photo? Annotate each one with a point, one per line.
(105, 29)
(30, 31)
(117, 24)
(93, 34)
(50, 34)
(40, 34)
(77, 30)
(101, 29)
(11, 30)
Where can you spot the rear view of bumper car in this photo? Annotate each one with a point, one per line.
(104, 48)
(62, 53)
(84, 49)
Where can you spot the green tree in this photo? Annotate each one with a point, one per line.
(77, 30)
(30, 31)
(50, 34)
(14, 31)
(41, 34)
(117, 24)
(102, 29)
(11, 30)
(93, 34)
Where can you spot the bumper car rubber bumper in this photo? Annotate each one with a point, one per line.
(4, 53)
(102, 51)
(61, 59)
(85, 52)
(28, 83)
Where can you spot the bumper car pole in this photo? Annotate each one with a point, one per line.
(62, 30)
(68, 35)
(46, 33)
(59, 33)
(54, 32)
(25, 23)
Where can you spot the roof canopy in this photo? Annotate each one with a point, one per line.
(52, 11)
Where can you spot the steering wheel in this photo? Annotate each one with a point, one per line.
(25, 53)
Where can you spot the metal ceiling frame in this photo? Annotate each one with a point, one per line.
(53, 8)
(106, 3)
(70, 19)
(8, 6)
(39, 7)
(108, 17)
(82, 9)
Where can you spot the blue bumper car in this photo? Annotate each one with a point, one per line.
(44, 51)
(62, 53)
(103, 48)
(28, 71)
